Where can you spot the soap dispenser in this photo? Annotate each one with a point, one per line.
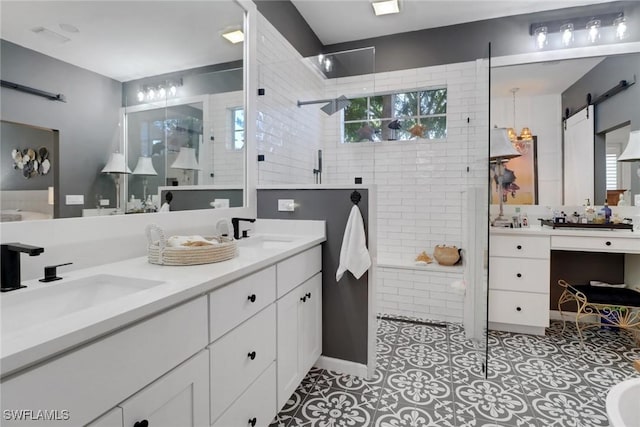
(607, 212)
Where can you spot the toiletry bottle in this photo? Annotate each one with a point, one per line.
(607, 212)
(525, 220)
(518, 223)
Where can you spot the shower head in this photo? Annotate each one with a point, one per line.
(333, 106)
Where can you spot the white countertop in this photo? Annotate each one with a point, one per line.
(549, 231)
(27, 344)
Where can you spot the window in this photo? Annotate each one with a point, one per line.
(612, 171)
(368, 118)
(237, 128)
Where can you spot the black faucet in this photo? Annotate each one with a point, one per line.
(236, 226)
(10, 267)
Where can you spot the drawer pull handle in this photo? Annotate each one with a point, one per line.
(253, 421)
(518, 309)
(519, 275)
(252, 297)
(252, 355)
(143, 423)
(608, 243)
(303, 299)
(519, 247)
(308, 295)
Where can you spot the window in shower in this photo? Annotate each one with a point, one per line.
(389, 117)
(237, 127)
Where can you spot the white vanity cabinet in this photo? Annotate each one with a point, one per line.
(519, 283)
(299, 335)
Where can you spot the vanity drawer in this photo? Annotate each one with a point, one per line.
(232, 365)
(520, 246)
(238, 301)
(519, 308)
(298, 268)
(519, 274)
(258, 402)
(596, 244)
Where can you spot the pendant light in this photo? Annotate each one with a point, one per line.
(521, 142)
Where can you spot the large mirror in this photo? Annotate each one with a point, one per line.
(538, 98)
(121, 107)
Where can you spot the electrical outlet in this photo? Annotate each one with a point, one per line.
(104, 202)
(286, 205)
(74, 199)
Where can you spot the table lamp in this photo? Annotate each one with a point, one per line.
(116, 167)
(186, 161)
(144, 168)
(500, 151)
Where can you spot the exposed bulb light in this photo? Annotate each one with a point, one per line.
(173, 90)
(567, 34)
(541, 37)
(328, 64)
(320, 59)
(593, 29)
(236, 36)
(621, 27)
(151, 94)
(385, 7)
(140, 96)
(162, 92)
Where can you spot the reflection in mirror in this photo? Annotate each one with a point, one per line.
(154, 99)
(539, 96)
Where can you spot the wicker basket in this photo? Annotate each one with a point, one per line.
(160, 253)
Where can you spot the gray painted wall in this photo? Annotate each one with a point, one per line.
(344, 304)
(13, 135)
(184, 200)
(619, 110)
(444, 45)
(87, 122)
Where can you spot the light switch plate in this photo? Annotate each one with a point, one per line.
(74, 199)
(104, 202)
(286, 205)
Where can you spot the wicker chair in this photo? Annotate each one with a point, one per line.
(619, 307)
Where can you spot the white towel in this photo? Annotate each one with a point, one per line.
(354, 255)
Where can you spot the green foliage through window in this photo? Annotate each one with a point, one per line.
(368, 118)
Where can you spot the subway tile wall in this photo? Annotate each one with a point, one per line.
(421, 184)
(289, 136)
(225, 161)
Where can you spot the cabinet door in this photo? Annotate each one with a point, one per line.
(289, 330)
(180, 398)
(113, 418)
(311, 330)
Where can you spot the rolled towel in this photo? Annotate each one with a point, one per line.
(189, 241)
(599, 284)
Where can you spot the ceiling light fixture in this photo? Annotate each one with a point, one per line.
(385, 7)
(521, 142)
(235, 36)
(50, 35)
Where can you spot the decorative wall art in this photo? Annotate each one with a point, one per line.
(31, 162)
(520, 181)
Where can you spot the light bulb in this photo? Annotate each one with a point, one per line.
(173, 90)
(320, 59)
(621, 27)
(328, 65)
(541, 37)
(162, 92)
(151, 94)
(567, 34)
(140, 96)
(593, 28)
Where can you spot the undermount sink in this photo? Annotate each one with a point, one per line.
(49, 302)
(265, 242)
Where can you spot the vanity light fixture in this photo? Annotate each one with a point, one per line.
(117, 166)
(632, 152)
(581, 30)
(159, 90)
(385, 7)
(235, 36)
(621, 27)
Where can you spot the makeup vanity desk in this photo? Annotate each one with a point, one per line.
(526, 263)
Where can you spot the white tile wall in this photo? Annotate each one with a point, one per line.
(289, 136)
(226, 163)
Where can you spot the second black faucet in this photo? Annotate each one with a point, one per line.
(235, 222)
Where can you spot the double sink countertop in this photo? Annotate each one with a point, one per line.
(46, 319)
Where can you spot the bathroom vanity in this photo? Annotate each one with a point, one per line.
(520, 270)
(220, 344)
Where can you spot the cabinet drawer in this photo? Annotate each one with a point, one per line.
(596, 244)
(258, 402)
(239, 357)
(519, 274)
(520, 246)
(83, 379)
(298, 268)
(238, 301)
(519, 308)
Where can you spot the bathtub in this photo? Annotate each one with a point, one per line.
(623, 404)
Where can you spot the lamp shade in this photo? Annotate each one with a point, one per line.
(186, 159)
(632, 152)
(116, 164)
(144, 167)
(500, 145)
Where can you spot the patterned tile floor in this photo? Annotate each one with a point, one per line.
(428, 376)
